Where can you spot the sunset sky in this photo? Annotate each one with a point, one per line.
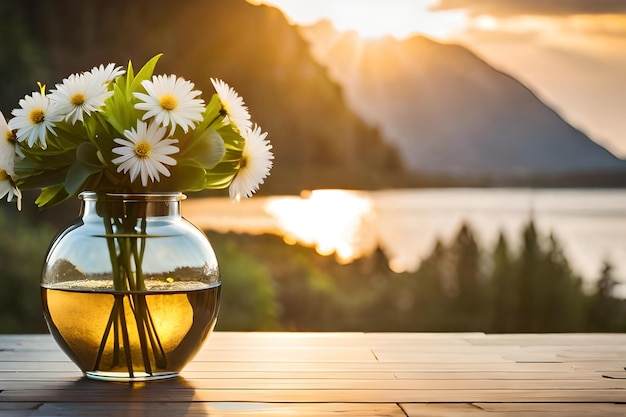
(571, 53)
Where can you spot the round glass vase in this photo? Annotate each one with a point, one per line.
(130, 290)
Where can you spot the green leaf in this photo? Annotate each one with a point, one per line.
(51, 196)
(127, 79)
(212, 114)
(39, 177)
(182, 178)
(205, 151)
(87, 154)
(232, 139)
(77, 175)
(144, 73)
(219, 179)
(119, 113)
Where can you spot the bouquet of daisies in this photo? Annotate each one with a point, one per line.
(113, 130)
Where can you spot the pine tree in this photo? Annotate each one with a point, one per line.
(469, 303)
(503, 289)
(560, 300)
(431, 290)
(525, 277)
(606, 311)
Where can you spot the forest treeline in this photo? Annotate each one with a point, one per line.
(458, 287)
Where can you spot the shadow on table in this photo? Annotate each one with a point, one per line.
(85, 397)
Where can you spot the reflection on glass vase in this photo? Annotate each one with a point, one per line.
(131, 290)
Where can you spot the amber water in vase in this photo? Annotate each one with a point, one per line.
(181, 316)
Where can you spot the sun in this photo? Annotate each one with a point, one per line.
(376, 18)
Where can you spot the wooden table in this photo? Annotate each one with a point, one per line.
(337, 374)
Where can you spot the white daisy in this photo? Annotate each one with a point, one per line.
(107, 74)
(37, 115)
(236, 111)
(256, 162)
(145, 153)
(8, 145)
(8, 188)
(171, 101)
(7, 163)
(80, 94)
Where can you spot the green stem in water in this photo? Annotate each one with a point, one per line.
(112, 319)
(118, 282)
(127, 352)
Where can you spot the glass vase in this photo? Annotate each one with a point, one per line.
(131, 290)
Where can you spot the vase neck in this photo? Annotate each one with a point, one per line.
(134, 205)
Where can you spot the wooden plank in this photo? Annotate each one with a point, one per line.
(377, 366)
(8, 406)
(445, 410)
(225, 375)
(219, 409)
(552, 339)
(554, 409)
(613, 366)
(260, 340)
(544, 410)
(572, 375)
(40, 366)
(348, 384)
(243, 366)
(586, 408)
(126, 393)
(426, 357)
(289, 354)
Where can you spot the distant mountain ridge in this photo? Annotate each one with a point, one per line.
(449, 112)
(442, 110)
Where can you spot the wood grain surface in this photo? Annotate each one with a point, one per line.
(337, 374)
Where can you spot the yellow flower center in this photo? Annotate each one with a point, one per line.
(168, 102)
(10, 137)
(36, 116)
(143, 149)
(78, 99)
(3, 175)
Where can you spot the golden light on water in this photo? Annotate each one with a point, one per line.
(331, 221)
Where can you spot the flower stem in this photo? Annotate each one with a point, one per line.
(105, 337)
(127, 351)
(127, 247)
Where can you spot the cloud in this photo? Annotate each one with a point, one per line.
(504, 8)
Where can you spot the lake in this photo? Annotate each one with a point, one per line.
(590, 224)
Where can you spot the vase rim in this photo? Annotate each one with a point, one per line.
(129, 196)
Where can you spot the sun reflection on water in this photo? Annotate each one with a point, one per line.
(331, 221)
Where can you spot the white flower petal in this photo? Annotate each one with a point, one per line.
(171, 101)
(79, 95)
(145, 152)
(237, 112)
(256, 165)
(36, 116)
(9, 148)
(107, 74)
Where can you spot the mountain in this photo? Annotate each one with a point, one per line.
(449, 112)
(318, 141)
